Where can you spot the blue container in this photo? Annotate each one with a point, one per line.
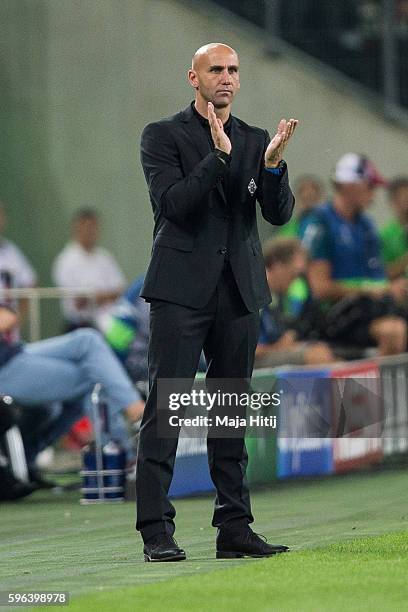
(114, 463)
(88, 473)
(108, 483)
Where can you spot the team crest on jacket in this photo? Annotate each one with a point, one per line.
(252, 187)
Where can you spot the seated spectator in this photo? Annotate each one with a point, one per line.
(126, 329)
(394, 235)
(308, 192)
(66, 369)
(82, 263)
(346, 270)
(278, 344)
(15, 269)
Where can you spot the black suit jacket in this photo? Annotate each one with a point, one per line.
(198, 224)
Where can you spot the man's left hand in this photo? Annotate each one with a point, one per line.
(274, 152)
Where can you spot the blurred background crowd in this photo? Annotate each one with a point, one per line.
(75, 212)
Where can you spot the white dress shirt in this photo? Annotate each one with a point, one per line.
(96, 269)
(15, 263)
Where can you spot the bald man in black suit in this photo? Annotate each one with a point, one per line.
(205, 170)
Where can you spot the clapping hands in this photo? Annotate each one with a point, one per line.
(274, 152)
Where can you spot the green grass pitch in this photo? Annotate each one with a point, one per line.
(348, 535)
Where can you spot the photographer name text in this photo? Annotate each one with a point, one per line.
(224, 421)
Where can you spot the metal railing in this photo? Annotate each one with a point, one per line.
(34, 297)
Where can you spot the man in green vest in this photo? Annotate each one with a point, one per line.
(394, 235)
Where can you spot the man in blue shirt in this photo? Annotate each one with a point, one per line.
(346, 268)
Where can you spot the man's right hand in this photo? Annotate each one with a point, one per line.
(220, 139)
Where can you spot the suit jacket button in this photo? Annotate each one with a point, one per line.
(222, 250)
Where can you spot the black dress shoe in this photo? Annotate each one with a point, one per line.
(244, 543)
(163, 547)
(12, 489)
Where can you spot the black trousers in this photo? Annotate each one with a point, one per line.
(228, 333)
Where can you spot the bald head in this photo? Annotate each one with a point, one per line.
(214, 74)
(203, 52)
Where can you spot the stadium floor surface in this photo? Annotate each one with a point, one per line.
(348, 535)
